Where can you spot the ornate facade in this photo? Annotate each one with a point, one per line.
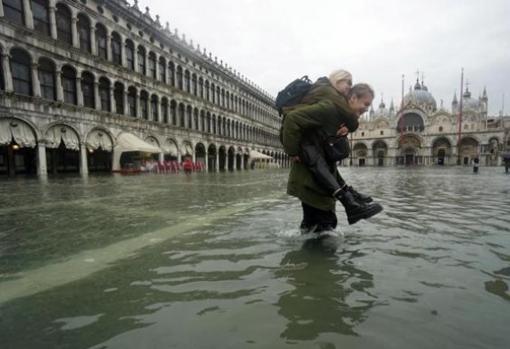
(78, 75)
(422, 134)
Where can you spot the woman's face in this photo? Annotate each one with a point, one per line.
(344, 86)
(361, 104)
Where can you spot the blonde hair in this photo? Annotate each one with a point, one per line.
(339, 75)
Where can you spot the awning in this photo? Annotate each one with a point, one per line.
(21, 132)
(255, 155)
(129, 142)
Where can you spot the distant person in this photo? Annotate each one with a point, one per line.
(476, 163)
(506, 160)
(187, 166)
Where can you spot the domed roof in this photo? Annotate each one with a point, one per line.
(381, 111)
(421, 96)
(469, 103)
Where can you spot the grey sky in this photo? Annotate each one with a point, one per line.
(274, 41)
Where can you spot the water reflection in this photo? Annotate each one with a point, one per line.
(322, 299)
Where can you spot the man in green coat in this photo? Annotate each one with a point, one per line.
(321, 115)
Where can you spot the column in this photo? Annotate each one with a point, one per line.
(42, 169)
(207, 161)
(6, 67)
(84, 168)
(135, 57)
(161, 157)
(1, 9)
(93, 43)
(97, 99)
(179, 158)
(74, 30)
(58, 85)
(36, 86)
(242, 162)
(194, 156)
(53, 22)
(137, 99)
(123, 52)
(29, 18)
(79, 94)
(156, 66)
(149, 108)
(109, 45)
(126, 103)
(217, 164)
(113, 106)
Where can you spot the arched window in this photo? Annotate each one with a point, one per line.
(194, 86)
(2, 84)
(189, 117)
(209, 123)
(171, 68)
(142, 67)
(195, 119)
(207, 95)
(213, 126)
(69, 84)
(213, 94)
(164, 108)
(87, 89)
(13, 11)
(84, 33)
(162, 69)
(173, 112)
(152, 65)
(101, 41)
(154, 108)
(21, 72)
(130, 55)
(64, 31)
(202, 120)
(118, 94)
(179, 78)
(104, 94)
(132, 101)
(116, 49)
(47, 79)
(201, 87)
(187, 84)
(144, 104)
(182, 117)
(41, 16)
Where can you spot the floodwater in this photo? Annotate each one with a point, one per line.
(217, 261)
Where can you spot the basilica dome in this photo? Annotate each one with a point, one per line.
(421, 97)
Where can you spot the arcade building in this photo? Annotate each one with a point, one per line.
(91, 85)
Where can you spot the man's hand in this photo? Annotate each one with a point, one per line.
(342, 131)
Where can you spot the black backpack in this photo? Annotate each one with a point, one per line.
(293, 93)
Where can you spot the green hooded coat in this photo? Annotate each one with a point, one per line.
(322, 109)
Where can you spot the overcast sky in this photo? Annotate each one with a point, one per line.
(274, 41)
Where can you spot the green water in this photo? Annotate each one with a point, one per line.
(217, 261)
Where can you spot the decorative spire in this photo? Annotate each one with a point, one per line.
(167, 27)
(135, 5)
(455, 101)
(417, 86)
(158, 23)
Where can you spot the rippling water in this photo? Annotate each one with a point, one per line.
(216, 261)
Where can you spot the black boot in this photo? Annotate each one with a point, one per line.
(356, 210)
(359, 196)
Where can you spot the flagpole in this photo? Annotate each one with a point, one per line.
(459, 133)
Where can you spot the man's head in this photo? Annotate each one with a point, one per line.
(360, 98)
(341, 81)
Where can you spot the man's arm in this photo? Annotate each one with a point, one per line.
(319, 115)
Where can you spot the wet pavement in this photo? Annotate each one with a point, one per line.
(217, 261)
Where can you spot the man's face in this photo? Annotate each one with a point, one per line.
(360, 105)
(344, 86)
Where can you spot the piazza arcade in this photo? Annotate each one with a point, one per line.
(72, 88)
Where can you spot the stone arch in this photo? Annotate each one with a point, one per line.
(200, 155)
(171, 149)
(231, 158)
(187, 148)
(360, 153)
(211, 157)
(18, 139)
(441, 150)
(380, 152)
(62, 148)
(222, 157)
(468, 149)
(99, 142)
